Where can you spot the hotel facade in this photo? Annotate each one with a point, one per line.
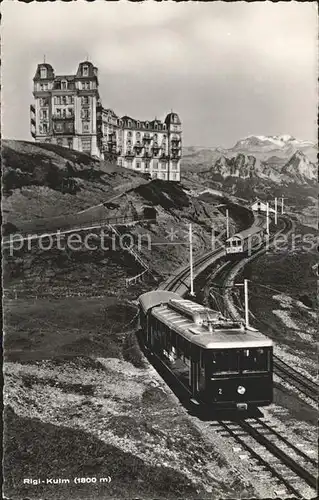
(68, 111)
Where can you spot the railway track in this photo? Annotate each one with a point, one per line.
(292, 467)
(304, 384)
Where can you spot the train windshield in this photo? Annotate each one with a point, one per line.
(231, 361)
(254, 360)
(225, 362)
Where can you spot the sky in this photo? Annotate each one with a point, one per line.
(229, 70)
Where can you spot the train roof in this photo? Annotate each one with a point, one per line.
(247, 232)
(152, 299)
(221, 336)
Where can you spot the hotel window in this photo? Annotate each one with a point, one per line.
(86, 85)
(71, 99)
(174, 165)
(138, 135)
(163, 166)
(64, 99)
(64, 113)
(41, 86)
(85, 99)
(138, 164)
(43, 73)
(173, 176)
(129, 134)
(64, 85)
(70, 111)
(86, 144)
(146, 124)
(85, 71)
(147, 165)
(44, 114)
(45, 128)
(58, 127)
(155, 164)
(58, 100)
(85, 126)
(85, 114)
(138, 124)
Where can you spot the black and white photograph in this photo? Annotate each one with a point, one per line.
(159, 250)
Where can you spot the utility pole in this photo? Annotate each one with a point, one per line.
(276, 211)
(191, 258)
(213, 237)
(245, 285)
(227, 223)
(246, 303)
(267, 218)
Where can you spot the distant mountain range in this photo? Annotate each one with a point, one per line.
(298, 169)
(262, 147)
(261, 143)
(257, 166)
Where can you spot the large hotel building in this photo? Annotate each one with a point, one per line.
(68, 112)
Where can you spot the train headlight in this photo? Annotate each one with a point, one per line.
(241, 390)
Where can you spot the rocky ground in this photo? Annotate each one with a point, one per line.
(107, 414)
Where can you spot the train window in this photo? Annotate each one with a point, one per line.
(254, 360)
(225, 362)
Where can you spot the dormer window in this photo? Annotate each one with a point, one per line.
(138, 124)
(64, 85)
(43, 72)
(85, 71)
(146, 124)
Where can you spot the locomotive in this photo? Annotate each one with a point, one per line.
(242, 243)
(218, 361)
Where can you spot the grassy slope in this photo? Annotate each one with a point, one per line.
(43, 180)
(73, 415)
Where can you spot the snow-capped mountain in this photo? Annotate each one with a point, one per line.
(262, 143)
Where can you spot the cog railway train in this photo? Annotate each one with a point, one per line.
(245, 241)
(218, 361)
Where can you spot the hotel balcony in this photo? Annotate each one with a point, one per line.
(147, 138)
(164, 156)
(147, 154)
(129, 154)
(67, 117)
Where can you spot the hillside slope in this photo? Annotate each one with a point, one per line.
(44, 180)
